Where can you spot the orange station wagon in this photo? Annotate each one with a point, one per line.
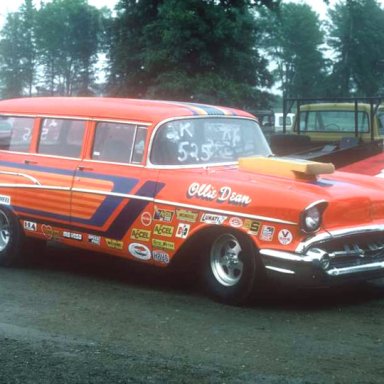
(160, 182)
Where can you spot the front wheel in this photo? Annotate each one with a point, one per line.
(230, 268)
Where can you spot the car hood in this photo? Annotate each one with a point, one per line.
(352, 199)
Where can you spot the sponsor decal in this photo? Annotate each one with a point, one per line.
(267, 233)
(30, 226)
(162, 244)
(94, 239)
(224, 194)
(140, 234)
(5, 200)
(182, 230)
(285, 237)
(146, 219)
(211, 218)
(252, 226)
(140, 251)
(114, 244)
(235, 222)
(163, 230)
(163, 215)
(47, 231)
(160, 256)
(72, 235)
(185, 215)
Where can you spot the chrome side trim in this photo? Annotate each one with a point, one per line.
(33, 186)
(288, 256)
(123, 195)
(329, 235)
(356, 269)
(281, 270)
(31, 178)
(150, 199)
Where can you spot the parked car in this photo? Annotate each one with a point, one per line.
(163, 182)
(340, 131)
(279, 121)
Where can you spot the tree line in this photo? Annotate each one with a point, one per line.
(229, 52)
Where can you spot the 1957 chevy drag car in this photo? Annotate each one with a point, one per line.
(158, 181)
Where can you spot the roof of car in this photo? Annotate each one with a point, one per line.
(113, 108)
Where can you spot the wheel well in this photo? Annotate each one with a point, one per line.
(196, 247)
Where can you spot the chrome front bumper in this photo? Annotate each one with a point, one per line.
(354, 254)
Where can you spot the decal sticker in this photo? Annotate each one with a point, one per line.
(72, 235)
(114, 244)
(163, 230)
(182, 230)
(163, 215)
(30, 226)
(146, 219)
(161, 244)
(5, 200)
(140, 234)
(160, 256)
(47, 231)
(140, 251)
(184, 215)
(267, 233)
(211, 218)
(225, 194)
(285, 237)
(252, 226)
(94, 239)
(235, 222)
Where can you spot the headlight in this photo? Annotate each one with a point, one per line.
(311, 217)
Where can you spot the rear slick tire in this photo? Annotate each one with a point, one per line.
(230, 269)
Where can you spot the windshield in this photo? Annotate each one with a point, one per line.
(207, 141)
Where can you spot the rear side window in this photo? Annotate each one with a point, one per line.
(61, 137)
(119, 142)
(15, 133)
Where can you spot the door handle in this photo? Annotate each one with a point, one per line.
(27, 161)
(84, 168)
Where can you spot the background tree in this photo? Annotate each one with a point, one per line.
(67, 37)
(293, 39)
(194, 49)
(356, 34)
(17, 52)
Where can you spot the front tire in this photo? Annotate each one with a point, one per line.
(231, 267)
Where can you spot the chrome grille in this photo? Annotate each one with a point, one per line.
(351, 251)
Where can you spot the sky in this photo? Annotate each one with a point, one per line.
(12, 6)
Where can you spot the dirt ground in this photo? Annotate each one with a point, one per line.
(81, 318)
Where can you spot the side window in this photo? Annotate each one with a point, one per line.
(61, 137)
(15, 133)
(115, 142)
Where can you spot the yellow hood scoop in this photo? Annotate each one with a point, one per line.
(294, 168)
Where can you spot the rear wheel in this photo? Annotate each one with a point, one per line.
(230, 269)
(11, 238)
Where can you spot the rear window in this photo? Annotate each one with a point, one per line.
(333, 121)
(15, 133)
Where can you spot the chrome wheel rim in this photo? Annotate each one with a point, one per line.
(4, 231)
(226, 264)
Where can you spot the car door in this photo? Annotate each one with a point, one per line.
(112, 195)
(46, 192)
